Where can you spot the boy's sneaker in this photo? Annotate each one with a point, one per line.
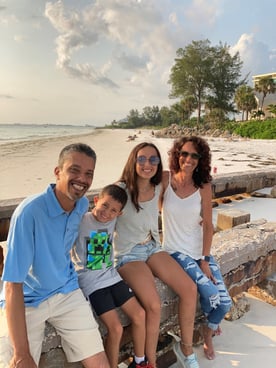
(189, 361)
(143, 364)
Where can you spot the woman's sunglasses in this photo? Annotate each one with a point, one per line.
(153, 160)
(193, 155)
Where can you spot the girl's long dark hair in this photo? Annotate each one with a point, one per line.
(129, 175)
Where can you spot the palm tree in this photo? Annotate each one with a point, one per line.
(245, 100)
(272, 109)
(189, 105)
(265, 86)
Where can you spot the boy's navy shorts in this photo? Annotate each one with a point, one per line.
(110, 297)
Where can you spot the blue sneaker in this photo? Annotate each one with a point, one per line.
(189, 361)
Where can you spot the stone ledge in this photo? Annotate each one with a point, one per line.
(247, 256)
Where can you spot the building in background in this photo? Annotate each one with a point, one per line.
(270, 98)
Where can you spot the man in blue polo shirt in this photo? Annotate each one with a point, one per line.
(40, 283)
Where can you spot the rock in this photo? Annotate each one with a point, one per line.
(240, 306)
(176, 131)
(273, 191)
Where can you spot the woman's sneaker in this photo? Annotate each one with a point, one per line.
(189, 361)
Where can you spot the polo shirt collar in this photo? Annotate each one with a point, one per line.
(53, 205)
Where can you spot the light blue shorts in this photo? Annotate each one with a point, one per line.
(140, 252)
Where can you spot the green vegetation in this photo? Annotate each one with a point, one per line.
(257, 129)
(245, 100)
(209, 74)
(207, 81)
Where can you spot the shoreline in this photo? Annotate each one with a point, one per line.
(27, 167)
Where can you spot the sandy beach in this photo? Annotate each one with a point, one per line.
(27, 167)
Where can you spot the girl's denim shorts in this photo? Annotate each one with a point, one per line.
(140, 252)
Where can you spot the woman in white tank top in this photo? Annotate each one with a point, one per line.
(188, 229)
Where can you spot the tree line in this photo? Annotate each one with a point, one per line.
(207, 80)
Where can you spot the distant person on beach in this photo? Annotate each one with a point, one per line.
(98, 278)
(40, 283)
(188, 228)
(139, 257)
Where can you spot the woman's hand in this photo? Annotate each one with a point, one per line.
(204, 265)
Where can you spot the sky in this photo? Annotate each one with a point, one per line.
(91, 62)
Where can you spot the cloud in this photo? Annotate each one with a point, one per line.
(121, 27)
(203, 12)
(126, 44)
(87, 73)
(131, 62)
(256, 55)
(77, 30)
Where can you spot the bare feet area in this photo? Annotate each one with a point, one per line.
(208, 347)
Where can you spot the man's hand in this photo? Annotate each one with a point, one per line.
(22, 362)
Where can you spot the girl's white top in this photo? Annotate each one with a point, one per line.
(134, 227)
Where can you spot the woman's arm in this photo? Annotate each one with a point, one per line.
(207, 221)
(207, 225)
(165, 183)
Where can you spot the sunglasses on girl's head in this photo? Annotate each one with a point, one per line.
(193, 155)
(153, 160)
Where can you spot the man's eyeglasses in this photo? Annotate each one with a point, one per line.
(193, 155)
(153, 160)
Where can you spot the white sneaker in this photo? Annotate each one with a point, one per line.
(189, 361)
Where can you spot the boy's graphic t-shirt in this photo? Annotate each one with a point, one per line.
(92, 255)
(98, 247)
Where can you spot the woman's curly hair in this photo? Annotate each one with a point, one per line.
(201, 174)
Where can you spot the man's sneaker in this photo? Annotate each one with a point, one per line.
(189, 361)
(143, 364)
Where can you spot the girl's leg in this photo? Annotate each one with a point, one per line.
(136, 314)
(140, 278)
(114, 335)
(166, 269)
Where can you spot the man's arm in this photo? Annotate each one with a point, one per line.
(15, 312)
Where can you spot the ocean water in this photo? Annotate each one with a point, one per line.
(26, 132)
